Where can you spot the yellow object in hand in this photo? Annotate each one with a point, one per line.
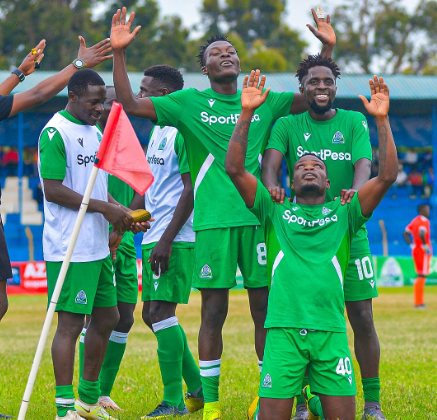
(140, 215)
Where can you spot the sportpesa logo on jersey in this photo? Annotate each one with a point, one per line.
(231, 119)
(155, 160)
(85, 160)
(325, 154)
(292, 218)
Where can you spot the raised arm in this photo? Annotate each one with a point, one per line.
(51, 86)
(374, 190)
(28, 66)
(252, 97)
(121, 37)
(325, 33)
(271, 164)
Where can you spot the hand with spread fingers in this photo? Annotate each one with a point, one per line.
(121, 36)
(324, 32)
(252, 95)
(379, 100)
(96, 54)
(32, 60)
(277, 193)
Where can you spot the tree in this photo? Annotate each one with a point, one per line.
(375, 33)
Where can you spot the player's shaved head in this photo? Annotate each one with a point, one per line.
(165, 77)
(423, 210)
(79, 82)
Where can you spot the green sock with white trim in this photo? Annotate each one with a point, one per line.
(210, 375)
(64, 399)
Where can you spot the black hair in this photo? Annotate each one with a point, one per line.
(420, 207)
(316, 60)
(202, 48)
(166, 76)
(317, 157)
(79, 82)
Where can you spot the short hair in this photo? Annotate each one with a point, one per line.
(317, 157)
(316, 60)
(211, 40)
(420, 207)
(166, 77)
(79, 82)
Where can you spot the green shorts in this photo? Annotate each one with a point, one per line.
(175, 284)
(290, 351)
(87, 285)
(360, 283)
(218, 251)
(126, 277)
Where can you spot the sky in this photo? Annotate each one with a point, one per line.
(298, 13)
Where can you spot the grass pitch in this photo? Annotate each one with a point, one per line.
(408, 359)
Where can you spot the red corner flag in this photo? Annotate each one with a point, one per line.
(120, 152)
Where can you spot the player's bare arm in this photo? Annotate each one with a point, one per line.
(374, 190)
(121, 37)
(159, 260)
(325, 33)
(51, 86)
(252, 97)
(30, 63)
(271, 164)
(361, 176)
(58, 193)
(137, 202)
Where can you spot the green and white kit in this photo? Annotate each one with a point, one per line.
(66, 151)
(308, 250)
(206, 120)
(168, 161)
(340, 142)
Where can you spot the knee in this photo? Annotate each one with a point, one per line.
(214, 314)
(361, 320)
(106, 323)
(125, 323)
(146, 318)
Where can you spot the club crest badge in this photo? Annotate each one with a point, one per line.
(338, 138)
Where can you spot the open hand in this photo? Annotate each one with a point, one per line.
(96, 54)
(29, 64)
(324, 32)
(346, 196)
(379, 100)
(252, 95)
(277, 193)
(121, 35)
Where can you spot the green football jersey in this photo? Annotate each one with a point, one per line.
(308, 249)
(206, 120)
(124, 194)
(339, 142)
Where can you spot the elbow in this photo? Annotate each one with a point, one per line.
(231, 170)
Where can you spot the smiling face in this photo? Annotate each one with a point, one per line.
(310, 177)
(221, 62)
(319, 89)
(88, 107)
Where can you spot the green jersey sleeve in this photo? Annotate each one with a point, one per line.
(169, 108)
(263, 203)
(181, 152)
(361, 147)
(52, 154)
(279, 136)
(280, 103)
(356, 218)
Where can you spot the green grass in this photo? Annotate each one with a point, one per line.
(408, 359)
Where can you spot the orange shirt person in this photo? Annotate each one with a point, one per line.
(419, 230)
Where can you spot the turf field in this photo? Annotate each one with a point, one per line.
(408, 367)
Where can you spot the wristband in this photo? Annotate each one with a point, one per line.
(18, 73)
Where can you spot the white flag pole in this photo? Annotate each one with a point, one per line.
(56, 293)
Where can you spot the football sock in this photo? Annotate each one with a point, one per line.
(371, 387)
(260, 365)
(210, 375)
(170, 354)
(299, 398)
(419, 289)
(64, 399)
(89, 391)
(190, 370)
(111, 363)
(81, 351)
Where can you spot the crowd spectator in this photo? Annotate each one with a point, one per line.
(428, 181)
(10, 161)
(416, 181)
(401, 180)
(411, 157)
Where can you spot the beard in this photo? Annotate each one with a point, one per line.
(321, 109)
(312, 188)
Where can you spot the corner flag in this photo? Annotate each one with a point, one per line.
(120, 152)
